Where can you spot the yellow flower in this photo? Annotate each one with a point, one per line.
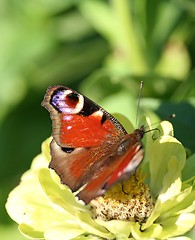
(130, 200)
(159, 206)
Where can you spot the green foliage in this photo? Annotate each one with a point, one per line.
(102, 48)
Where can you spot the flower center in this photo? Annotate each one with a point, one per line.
(128, 200)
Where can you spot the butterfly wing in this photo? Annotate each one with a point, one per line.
(77, 121)
(96, 168)
(90, 149)
(82, 165)
(117, 167)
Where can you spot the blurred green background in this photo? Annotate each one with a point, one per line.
(100, 48)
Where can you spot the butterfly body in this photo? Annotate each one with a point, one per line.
(90, 148)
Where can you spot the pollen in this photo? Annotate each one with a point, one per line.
(128, 200)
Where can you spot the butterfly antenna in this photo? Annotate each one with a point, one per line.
(168, 118)
(138, 103)
(154, 129)
(173, 115)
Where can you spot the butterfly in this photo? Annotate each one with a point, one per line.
(90, 150)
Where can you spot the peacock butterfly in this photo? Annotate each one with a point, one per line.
(90, 149)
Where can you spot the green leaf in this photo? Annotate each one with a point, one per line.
(100, 15)
(125, 122)
(122, 103)
(10, 232)
(189, 168)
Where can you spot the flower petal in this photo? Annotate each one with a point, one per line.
(92, 227)
(171, 187)
(179, 238)
(42, 160)
(150, 233)
(182, 203)
(161, 151)
(59, 193)
(117, 227)
(65, 231)
(166, 128)
(28, 204)
(28, 231)
(89, 237)
(177, 225)
(172, 180)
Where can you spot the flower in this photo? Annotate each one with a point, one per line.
(130, 200)
(158, 206)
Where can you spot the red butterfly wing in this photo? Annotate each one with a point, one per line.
(95, 168)
(80, 131)
(90, 147)
(77, 121)
(118, 167)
